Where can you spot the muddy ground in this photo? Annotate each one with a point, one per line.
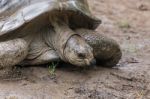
(128, 22)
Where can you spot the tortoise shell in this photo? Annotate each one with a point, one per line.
(16, 13)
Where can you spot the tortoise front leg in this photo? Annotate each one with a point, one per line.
(12, 52)
(106, 50)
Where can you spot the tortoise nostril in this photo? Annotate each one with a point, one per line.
(81, 55)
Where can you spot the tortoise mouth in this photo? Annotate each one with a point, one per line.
(89, 61)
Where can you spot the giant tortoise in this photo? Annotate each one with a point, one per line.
(34, 32)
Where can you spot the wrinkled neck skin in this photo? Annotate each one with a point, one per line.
(69, 45)
(59, 36)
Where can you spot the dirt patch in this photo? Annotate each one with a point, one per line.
(127, 21)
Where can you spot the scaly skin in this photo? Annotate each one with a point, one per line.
(106, 50)
(12, 52)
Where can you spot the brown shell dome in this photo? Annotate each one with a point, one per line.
(16, 13)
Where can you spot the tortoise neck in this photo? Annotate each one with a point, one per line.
(60, 36)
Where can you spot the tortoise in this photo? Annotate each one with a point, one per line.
(34, 32)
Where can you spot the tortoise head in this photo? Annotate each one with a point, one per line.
(78, 52)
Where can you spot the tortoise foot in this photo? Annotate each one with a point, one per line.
(106, 50)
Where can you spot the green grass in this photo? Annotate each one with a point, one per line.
(52, 68)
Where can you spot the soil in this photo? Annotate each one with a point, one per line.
(127, 21)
